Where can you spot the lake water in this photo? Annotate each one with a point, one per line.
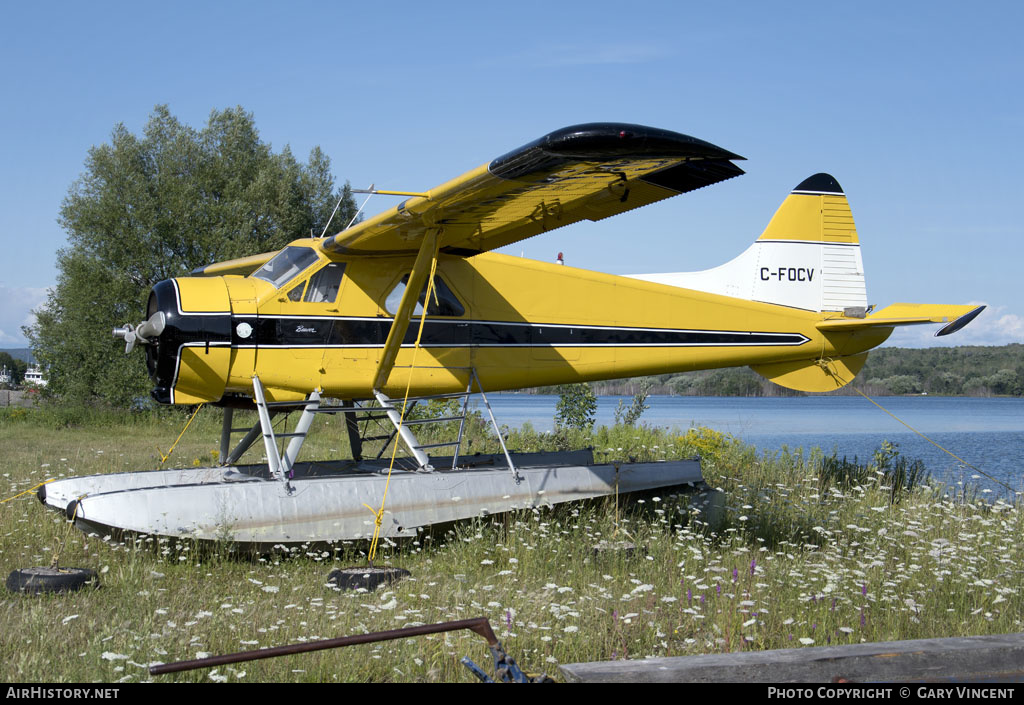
(986, 432)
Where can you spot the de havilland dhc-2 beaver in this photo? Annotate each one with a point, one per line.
(342, 318)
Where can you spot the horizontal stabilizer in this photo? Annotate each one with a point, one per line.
(908, 315)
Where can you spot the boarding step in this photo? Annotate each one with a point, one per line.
(439, 419)
(352, 409)
(431, 397)
(436, 445)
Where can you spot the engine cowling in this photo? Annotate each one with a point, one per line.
(187, 338)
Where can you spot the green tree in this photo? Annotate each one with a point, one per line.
(631, 414)
(1004, 381)
(902, 384)
(577, 406)
(156, 206)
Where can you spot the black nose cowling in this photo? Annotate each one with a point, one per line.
(181, 330)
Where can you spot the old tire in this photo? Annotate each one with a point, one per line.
(368, 578)
(35, 581)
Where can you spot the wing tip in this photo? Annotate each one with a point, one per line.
(959, 323)
(602, 141)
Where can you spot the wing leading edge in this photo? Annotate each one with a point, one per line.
(583, 172)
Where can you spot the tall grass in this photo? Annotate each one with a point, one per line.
(814, 550)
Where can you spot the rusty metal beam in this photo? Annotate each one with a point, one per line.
(478, 625)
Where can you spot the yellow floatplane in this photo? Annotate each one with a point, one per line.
(342, 317)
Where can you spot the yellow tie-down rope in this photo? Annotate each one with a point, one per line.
(379, 513)
(30, 489)
(827, 364)
(163, 458)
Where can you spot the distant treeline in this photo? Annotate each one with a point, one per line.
(963, 371)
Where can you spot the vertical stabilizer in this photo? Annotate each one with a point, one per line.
(808, 257)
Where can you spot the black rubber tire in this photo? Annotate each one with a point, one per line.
(369, 578)
(35, 581)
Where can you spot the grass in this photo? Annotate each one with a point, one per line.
(813, 551)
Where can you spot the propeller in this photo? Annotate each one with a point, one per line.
(142, 333)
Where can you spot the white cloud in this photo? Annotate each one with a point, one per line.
(16, 306)
(996, 325)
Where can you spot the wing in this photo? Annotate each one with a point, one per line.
(242, 265)
(584, 172)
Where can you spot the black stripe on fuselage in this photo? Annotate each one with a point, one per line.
(329, 332)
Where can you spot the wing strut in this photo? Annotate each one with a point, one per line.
(424, 263)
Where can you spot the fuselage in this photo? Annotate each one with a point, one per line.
(320, 321)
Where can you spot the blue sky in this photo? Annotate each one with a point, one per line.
(916, 108)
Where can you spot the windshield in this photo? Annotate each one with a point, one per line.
(286, 265)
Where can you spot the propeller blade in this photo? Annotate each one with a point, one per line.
(151, 328)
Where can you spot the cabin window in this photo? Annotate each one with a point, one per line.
(323, 287)
(296, 293)
(286, 265)
(443, 304)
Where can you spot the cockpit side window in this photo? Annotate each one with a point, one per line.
(442, 303)
(323, 286)
(286, 265)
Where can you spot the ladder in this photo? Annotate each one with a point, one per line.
(419, 449)
(281, 465)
